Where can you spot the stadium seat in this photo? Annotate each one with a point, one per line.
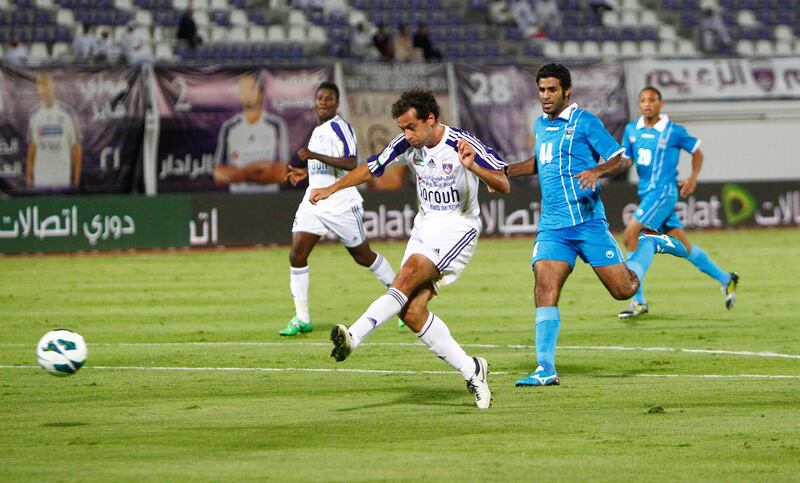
(219, 5)
(45, 4)
(64, 17)
(745, 48)
(629, 18)
(180, 5)
(591, 49)
(609, 49)
(629, 49)
(238, 17)
(551, 50)
(125, 5)
(257, 33)
(276, 33)
(354, 17)
(783, 32)
(39, 52)
(570, 49)
(686, 48)
(667, 32)
(297, 33)
(237, 34)
(630, 5)
(797, 47)
(144, 18)
(610, 19)
(763, 48)
(317, 34)
(783, 48)
(296, 17)
(648, 18)
(60, 50)
(746, 18)
(201, 18)
(648, 48)
(666, 48)
(199, 5)
(218, 34)
(164, 52)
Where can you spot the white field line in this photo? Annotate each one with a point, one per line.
(414, 344)
(381, 371)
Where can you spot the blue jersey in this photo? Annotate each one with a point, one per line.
(569, 144)
(655, 151)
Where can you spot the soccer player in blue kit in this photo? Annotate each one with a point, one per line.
(653, 143)
(569, 142)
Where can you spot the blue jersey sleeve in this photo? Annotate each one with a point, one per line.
(626, 141)
(601, 141)
(378, 162)
(686, 141)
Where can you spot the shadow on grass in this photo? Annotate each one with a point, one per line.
(422, 396)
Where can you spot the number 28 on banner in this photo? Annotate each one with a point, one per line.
(490, 89)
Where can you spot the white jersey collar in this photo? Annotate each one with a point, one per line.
(566, 113)
(663, 120)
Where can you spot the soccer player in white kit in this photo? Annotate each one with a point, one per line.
(253, 147)
(54, 150)
(449, 164)
(331, 153)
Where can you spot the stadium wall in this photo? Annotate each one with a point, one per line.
(113, 222)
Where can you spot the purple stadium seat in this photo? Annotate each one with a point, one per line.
(42, 34)
(256, 17)
(221, 17)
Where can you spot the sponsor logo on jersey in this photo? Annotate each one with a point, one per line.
(235, 154)
(609, 254)
(552, 128)
(51, 130)
(431, 163)
(646, 135)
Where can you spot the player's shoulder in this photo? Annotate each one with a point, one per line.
(271, 119)
(456, 133)
(232, 122)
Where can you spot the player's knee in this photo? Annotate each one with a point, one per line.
(413, 315)
(545, 295)
(297, 260)
(625, 291)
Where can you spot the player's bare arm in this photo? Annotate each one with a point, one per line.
(296, 175)
(524, 168)
(358, 176)
(344, 162)
(690, 184)
(77, 155)
(612, 167)
(31, 161)
(496, 180)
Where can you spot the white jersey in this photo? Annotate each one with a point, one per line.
(445, 188)
(52, 130)
(334, 138)
(241, 143)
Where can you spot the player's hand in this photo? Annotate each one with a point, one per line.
(687, 186)
(223, 175)
(466, 153)
(318, 194)
(296, 175)
(304, 154)
(587, 179)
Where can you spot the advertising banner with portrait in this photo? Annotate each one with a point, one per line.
(499, 104)
(70, 129)
(718, 79)
(232, 129)
(371, 91)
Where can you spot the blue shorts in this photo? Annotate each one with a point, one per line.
(657, 210)
(591, 241)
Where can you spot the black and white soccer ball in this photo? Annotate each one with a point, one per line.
(61, 352)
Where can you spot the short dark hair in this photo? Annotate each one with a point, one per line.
(421, 99)
(331, 86)
(652, 89)
(558, 71)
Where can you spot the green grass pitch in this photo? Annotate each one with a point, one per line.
(187, 378)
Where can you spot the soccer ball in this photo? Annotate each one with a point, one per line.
(61, 352)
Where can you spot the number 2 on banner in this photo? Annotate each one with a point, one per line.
(546, 153)
(182, 104)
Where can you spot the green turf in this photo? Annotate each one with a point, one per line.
(607, 422)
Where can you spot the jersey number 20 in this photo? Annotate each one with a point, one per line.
(644, 156)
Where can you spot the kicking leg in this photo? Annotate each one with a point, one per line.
(302, 245)
(701, 260)
(550, 277)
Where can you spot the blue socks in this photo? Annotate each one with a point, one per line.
(700, 260)
(548, 322)
(641, 259)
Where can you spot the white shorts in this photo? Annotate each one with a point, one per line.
(448, 244)
(345, 223)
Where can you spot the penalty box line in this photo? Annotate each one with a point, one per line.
(394, 372)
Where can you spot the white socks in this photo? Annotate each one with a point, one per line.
(436, 336)
(382, 270)
(298, 283)
(381, 310)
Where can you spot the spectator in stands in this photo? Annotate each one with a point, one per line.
(714, 35)
(132, 45)
(17, 54)
(84, 45)
(187, 29)
(383, 42)
(525, 16)
(499, 13)
(422, 41)
(548, 14)
(403, 46)
(104, 47)
(361, 46)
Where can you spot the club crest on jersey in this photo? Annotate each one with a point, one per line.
(570, 131)
(447, 168)
(632, 139)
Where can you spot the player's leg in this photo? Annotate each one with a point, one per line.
(434, 333)
(302, 245)
(701, 260)
(630, 238)
(379, 266)
(416, 271)
(631, 235)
